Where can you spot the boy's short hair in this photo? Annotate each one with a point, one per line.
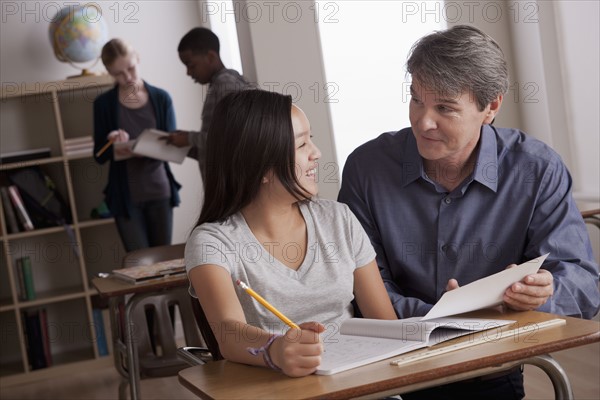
(199, 40)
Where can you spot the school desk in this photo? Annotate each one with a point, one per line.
(121, 292)
(230, 380)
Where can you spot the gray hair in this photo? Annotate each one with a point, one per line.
(457, 59)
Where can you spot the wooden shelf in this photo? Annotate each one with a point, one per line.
(35, 232)
(46, 115)
(31, 163)
(96, 222)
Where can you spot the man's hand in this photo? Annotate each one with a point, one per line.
(178, 138)
(531, 292)
(451, 285)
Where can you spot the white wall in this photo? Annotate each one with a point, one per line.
(286, 57)
(154, 28)
(578, 31)
(557, 47)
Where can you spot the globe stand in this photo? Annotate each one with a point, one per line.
(84, 71)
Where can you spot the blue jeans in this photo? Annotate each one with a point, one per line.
(150, 224)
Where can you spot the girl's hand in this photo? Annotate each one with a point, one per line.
(298, 352)
(118, 135)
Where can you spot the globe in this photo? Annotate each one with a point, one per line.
(77, 34)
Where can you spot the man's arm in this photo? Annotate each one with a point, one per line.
(352, 193)
(556, 227)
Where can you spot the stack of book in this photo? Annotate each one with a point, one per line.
(35, 323)
(17, 217)
(79, 146)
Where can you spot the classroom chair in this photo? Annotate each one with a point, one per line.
(194, 355)
(156, 345)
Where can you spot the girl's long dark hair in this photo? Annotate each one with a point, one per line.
(250, 135)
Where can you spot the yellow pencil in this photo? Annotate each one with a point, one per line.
(104, 148)
(268, 306)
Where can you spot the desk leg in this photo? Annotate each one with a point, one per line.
(560, 381)
(132, 351)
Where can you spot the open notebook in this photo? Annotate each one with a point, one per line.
(362, 341)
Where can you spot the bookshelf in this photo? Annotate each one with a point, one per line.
(50, 117)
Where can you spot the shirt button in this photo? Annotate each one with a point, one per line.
(448, 200)
(444, 248)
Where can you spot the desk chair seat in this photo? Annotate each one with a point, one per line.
(155, 352)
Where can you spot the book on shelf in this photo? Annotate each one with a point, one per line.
(101, 341)
(25, 277)
(77, 146)
(362, 341)
(24, 155)
(9, 212)
(20, 210)
(151, 143)
(35, 339)
(21, 290)
(145, 273)
(78, 140)
(45, 337)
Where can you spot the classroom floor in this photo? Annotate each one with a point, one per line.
(582, 365)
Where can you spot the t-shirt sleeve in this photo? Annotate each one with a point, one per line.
(204, 248)
(361, 245)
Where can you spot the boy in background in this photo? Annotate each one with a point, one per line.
(199, 52)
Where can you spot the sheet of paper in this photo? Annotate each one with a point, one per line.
(485, 292)
(123, 150)
(343, 352)
(151, 143)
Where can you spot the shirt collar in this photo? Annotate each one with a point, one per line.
(486, 167)
(413, 166)
(217, 74)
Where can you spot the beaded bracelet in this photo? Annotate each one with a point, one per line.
(265, 350)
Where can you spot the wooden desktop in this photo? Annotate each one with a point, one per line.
(229, 380)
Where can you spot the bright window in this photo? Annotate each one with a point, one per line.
(365, 45)
(221, 15)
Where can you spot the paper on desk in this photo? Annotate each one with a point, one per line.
(485, 292)
(151, 143)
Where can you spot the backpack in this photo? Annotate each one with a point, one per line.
(44, 204)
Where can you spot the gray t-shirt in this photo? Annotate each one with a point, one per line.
(322, 287)
(224, 82)
(147, 177)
